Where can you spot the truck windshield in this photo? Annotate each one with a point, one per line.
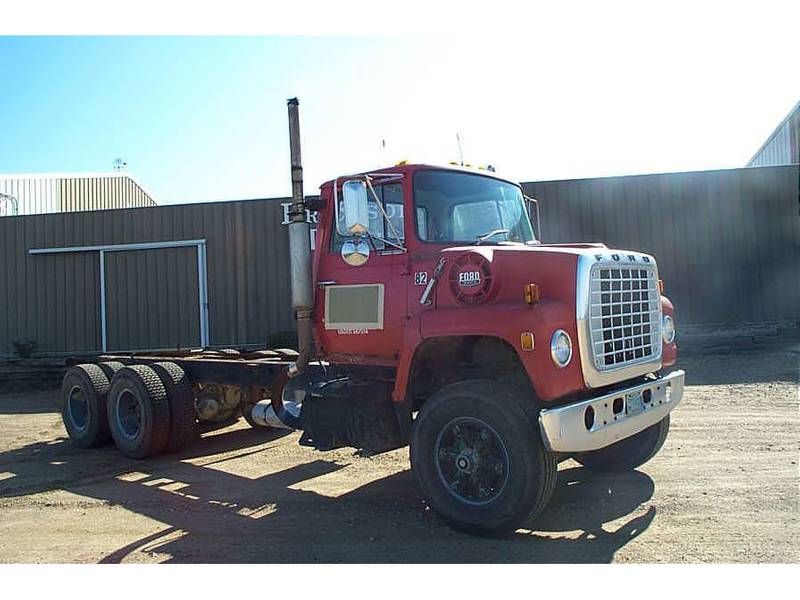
(454, 207)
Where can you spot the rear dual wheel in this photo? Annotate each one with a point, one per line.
(138, 412)
(84, 391)
(183, 425)
(151, 410)
(132, 405)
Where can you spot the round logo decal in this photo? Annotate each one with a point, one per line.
(470, 278)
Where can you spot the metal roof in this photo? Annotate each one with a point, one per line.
(790, 129)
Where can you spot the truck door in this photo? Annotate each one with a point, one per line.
(363, 308)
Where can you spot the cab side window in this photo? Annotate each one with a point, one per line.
(391, 198)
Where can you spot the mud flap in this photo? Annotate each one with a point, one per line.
(358, 414)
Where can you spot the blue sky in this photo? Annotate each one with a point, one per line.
(205, 118)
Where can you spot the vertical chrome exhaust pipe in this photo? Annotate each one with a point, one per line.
(300, 267)
(299, 247)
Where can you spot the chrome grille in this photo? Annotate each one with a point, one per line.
(625, 315)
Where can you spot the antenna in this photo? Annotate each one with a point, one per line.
(460, 149)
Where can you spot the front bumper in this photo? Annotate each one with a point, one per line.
(564, 429)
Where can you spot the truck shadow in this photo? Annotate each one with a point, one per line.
(213, 515)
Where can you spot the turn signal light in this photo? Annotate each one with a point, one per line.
(660, 286)
(532, 293)
(526, 340)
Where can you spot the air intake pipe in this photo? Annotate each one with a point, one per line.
(300, 267)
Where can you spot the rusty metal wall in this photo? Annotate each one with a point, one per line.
(727, 242)
(783, 145)
(54, 299)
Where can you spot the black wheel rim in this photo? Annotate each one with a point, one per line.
(471, 460)
(78, 408)
(130, 413)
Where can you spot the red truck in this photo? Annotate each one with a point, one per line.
(431, 316)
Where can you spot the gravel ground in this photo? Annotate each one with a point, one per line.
(723, 489)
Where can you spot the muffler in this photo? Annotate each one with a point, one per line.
(263, 414)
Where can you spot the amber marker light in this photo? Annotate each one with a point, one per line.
(532, 293)
(661, 286)
(526, 340)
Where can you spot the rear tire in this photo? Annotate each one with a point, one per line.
(110, 368)
(84, 391)
(478, 459)
(183, 426)
(629, 453)
(138, 412)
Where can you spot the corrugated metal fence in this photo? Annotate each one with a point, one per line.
(727, 242)
(54, 299)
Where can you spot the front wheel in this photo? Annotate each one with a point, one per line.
(478, 459)
(629, 453)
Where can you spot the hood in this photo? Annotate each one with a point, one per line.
(498, 273)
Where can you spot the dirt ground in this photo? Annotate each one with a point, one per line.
(723, 489)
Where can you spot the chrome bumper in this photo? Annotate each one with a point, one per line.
(564, 429)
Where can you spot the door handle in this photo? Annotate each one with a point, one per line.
(324, 283)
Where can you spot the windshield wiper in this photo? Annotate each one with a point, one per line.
(483, 238)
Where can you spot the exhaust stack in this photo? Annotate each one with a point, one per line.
(299, 248)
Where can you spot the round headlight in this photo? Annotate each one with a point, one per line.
(668, 329)
(561, 348)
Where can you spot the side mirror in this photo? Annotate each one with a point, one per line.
(534, 203)
(354, 217)
(355, 252)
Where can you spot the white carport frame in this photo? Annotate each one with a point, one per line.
(202, 275)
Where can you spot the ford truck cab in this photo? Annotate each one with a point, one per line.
(499, 355)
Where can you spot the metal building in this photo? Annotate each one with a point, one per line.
(783, 145)
(69, 192)
(727, 244)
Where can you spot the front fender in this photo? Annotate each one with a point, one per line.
(508, 323)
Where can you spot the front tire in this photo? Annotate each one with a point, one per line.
(629, 453)
(478, 459)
